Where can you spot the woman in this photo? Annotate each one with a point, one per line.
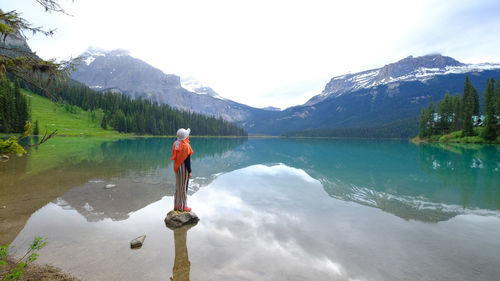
(181, 154)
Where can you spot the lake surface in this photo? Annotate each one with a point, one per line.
(270, 209)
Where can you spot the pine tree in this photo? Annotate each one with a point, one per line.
(468, 108)
(497, 98)
(104, 123)
(445, 112)
(427, 121)
(476, 101)
(3, 102)
(457, 113)
(21, 106)
(431, 113)
(490, 121)
(36, 130)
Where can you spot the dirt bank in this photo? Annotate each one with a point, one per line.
(35, 272)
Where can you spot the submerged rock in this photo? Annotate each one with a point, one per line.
(108, 186)
(137, 242)
(176, 219)
(4, 158)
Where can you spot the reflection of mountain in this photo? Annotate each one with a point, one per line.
(140, 168)
(95, 202)
(388, 174)
(426, 182)
(24, 190)
(144, 175)
(393, 176)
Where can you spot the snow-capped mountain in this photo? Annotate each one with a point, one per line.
(117, 71)
(408, 69)
(390, 97)
(271, 108)
(387, 100)
(195, 86)
(93, 52)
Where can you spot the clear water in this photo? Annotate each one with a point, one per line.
(270, 209)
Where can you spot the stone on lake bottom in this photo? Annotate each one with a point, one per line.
(4, 158)
(176, 219)
(109, 186)
(137, 242)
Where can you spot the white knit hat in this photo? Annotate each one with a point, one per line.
(182, 133)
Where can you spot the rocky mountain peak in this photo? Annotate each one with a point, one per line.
(407, 69)
(408, 65)
(119, 53)
(271, 108)
(116, 70)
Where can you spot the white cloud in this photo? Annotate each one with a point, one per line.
(246, 50)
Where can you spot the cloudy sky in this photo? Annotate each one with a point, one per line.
(270, 52)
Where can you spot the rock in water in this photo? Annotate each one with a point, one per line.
(108, 186)
(176, 219)
(4, 158)
(137, 242)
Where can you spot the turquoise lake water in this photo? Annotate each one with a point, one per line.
(270, 209)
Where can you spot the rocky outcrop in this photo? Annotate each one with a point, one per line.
(15, 45)
(176, 219)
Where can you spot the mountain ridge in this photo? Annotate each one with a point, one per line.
(408, 69)
(364, 102)
(375, 98)
(117, 71)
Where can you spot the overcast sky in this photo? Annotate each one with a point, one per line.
(269, 53)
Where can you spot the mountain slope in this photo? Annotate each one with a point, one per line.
(68, 120)
(119, 72)
(408, 69)
(379, 97)
(390, 96)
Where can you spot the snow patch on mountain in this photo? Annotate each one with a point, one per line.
(409, 69)
(195, 86)
(92, 53)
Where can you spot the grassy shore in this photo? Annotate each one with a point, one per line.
(456, 137)
(68, 120)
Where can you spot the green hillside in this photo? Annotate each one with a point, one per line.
(68, 120)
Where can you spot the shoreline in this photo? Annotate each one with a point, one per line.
(35, 271)
(417, 140)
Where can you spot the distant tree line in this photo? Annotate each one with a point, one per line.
(139, 116)
(399, 129)
(455, 113)
(14, 110)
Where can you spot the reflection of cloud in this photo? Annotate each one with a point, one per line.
(269, 226)
(264, 221)
(261, 235)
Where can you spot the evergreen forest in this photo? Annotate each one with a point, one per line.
(14, 110)
(139, 116)
(464, 114)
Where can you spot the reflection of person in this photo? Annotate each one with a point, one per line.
(181, 154)
(182, 265)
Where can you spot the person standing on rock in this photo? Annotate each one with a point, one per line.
(181, 154)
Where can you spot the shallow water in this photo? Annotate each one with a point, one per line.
(270, 209)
